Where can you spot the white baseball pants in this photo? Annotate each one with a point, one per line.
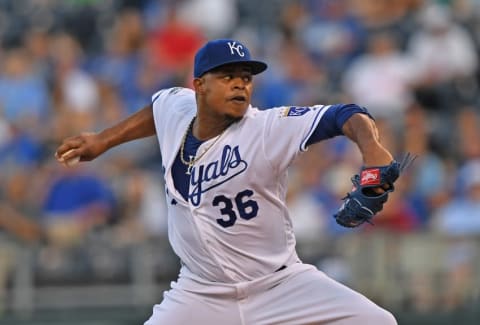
(299, 294)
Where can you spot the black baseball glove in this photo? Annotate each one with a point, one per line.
(362, 203)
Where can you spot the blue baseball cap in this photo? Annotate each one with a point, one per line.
(223, 51)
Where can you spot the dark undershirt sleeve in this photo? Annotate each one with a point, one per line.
(332, 121)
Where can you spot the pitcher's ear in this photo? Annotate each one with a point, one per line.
(199, 85)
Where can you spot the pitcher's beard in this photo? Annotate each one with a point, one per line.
(229, 119)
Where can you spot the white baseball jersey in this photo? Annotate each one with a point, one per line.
(235, 226)
(233, 231)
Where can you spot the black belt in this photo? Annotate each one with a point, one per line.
(283, 267)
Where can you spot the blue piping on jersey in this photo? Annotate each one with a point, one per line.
(156, 97)
(314, 125)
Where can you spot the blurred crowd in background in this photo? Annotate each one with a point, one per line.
(81, 65)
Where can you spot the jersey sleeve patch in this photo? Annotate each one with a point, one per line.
(295, 111)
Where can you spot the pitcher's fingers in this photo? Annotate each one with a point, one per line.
(61, 150)
(381, 189)
(70, 154)
(68, 144)
(378, 190)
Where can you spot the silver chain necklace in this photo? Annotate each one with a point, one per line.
(193, 159)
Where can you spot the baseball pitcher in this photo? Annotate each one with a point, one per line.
(225, 170)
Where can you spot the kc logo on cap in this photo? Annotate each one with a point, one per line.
(237, 48)
(224, 51)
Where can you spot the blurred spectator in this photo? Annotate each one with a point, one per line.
(468, 133)
(18, 207)
(428, 180)
(332, 35)
(439, 32)
(396, 17)
(459, 221)
(215, 18)
(437, 75)
(76, 90)
(20, 149)
(381, 79)
(76, 93)
(141, 200)
(24, 97)
(24, 110)
(124, 65)
(37, 43)
(467, 13)
(296, 79)
(262, 15)
(174, 43)
(76, 203)
(18, 228)
(461, 215)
